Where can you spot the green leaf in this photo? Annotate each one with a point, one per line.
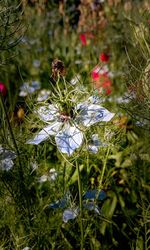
(139, 244)
(108, 210)
(74, 177)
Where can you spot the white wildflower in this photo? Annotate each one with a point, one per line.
(66, 127)
(28, 88)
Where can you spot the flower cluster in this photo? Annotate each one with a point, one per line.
(90, 199)
(27, 88)
(101, 79)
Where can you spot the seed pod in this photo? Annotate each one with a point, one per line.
(58, 69)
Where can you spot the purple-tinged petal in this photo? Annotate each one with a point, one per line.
(45, 133)
(69, 139)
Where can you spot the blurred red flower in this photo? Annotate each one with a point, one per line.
(83, 39)
(101, 80)
(3, 89)
(104, 57)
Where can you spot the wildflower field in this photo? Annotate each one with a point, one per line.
(74, 124)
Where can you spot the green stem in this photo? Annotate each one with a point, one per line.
(81, 207)
(64, 179)
(104, 168)
(22, 185)
(9, 126)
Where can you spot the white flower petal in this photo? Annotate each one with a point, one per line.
(95, 140)
(92, 113)
(45, 133)
(75, 80)
(26, 88)
(43, 178)
(95, 144)
(93, 149)
(6, 164)
(70, 214)
(23, 93)
(36, 63)
(69, 139)
(35, 85)
(53, 174)
(43, 95)
(26, 248)
(4, 153)
(47, 113)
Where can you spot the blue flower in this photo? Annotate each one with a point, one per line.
(95, 194)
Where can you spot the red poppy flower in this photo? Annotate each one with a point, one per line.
(104, 57)
(83, 39)
(3, 89)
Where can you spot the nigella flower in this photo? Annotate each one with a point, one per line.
(95, 144)
(6, 159)
(70, 214)
(67, 126)
(27, 88)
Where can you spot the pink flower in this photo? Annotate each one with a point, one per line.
(97, 71)
(95, 75)
(104, 57)
(3, 89)
(83, 39)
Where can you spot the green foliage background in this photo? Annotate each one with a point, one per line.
(40, 31)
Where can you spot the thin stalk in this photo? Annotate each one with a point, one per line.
(81, 207)
(22, 185)
(10, 128)
(64, 179)
(104, 168)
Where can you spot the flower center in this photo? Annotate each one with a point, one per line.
(64, 117)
